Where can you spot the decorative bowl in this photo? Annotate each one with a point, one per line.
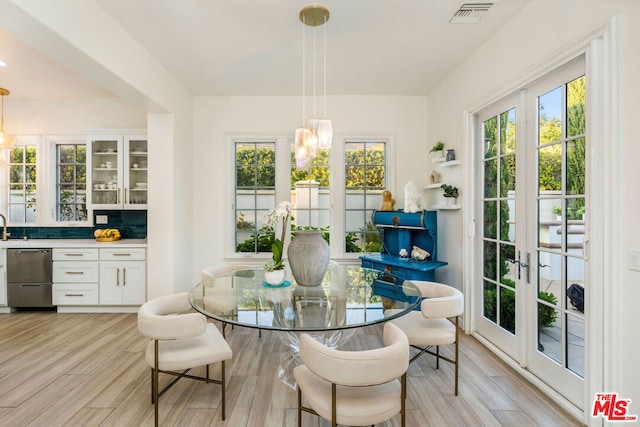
(141, 184)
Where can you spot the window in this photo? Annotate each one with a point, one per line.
(22, 196)
(255, 181)
(71, 183)
(339, 200)
(364, 182)
(46, 181)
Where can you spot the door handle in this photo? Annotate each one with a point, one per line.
(124, 277)
(522, 265)
(117, 276)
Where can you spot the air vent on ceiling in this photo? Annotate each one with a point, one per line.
(470, 13)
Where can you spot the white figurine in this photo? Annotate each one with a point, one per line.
(413, 200)
(403, 253)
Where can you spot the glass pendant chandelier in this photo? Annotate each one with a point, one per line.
(317, 134)
(6, 139)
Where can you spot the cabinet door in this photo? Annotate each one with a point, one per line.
(105, 164)
(133, 283)
(3, 277)
(110, 283)
(122, 283)
(3, 285)
(135, 172)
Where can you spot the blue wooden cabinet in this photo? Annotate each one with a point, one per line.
(399, 231)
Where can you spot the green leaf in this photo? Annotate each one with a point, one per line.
(276, 248)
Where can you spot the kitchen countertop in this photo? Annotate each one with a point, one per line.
(71, 243)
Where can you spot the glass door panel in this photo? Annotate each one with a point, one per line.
(558, 354)
(105, 172)
(499, 314)
(137, 167)
(531, 187)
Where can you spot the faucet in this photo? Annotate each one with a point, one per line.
(5, 235)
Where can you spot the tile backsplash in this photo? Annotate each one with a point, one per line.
(132, 225)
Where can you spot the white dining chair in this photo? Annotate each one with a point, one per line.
(180, 340)
(431, 326)
(354, 388)
(219, 297)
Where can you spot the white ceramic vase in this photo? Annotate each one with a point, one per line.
(275, 277)
(308, 256)
(451, 200)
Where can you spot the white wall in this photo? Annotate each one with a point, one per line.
(89, 41)
(539, 31)
(215, 117)
(70, 116)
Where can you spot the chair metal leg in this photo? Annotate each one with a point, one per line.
(334, 412)
(299, 406)
(222, 383)
(151, 382)
(156, 374)
(437, 357)
(456, 367)
(403, 397)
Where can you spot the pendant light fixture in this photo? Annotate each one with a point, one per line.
(6, 139)
(318, 133)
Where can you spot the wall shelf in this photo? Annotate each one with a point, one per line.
(434, 186)
(449, 164)
(446, 207)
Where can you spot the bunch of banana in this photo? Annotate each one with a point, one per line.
(108, 232)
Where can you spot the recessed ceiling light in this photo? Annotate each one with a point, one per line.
(3, 64)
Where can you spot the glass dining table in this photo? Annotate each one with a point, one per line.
(349, 297)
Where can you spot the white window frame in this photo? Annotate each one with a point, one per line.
(45, 181)
(283, 144)
(52, 141)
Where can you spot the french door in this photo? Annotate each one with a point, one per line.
(532, 200)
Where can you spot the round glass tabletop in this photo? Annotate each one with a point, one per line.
(349, 297)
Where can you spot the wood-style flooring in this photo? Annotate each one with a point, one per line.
(88, 370)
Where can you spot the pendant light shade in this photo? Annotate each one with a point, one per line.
(320, 131)
(303, 158)
(6, 139)
(325, 134)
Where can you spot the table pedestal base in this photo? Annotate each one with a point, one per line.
(291, 358)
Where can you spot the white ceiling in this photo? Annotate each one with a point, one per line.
(254, 47)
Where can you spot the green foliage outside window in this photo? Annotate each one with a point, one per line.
(72, 179)
(365, 170)
(547, 315)
(22, 181)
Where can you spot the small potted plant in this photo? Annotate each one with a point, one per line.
(274, 273)
(557, 210)
(450, 193)
(438, 149)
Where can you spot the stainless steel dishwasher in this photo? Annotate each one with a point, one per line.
(29, 278)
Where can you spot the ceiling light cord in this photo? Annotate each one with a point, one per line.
(304, 86)
(325, 67)
(314, 72)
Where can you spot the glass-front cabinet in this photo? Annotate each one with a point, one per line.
(118, 166)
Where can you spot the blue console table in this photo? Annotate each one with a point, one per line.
(399, 231)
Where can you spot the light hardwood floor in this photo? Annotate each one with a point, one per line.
(88, 370)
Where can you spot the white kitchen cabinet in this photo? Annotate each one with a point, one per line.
(75, 276)
(122, 276)
(3, 277)
(118, 168)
